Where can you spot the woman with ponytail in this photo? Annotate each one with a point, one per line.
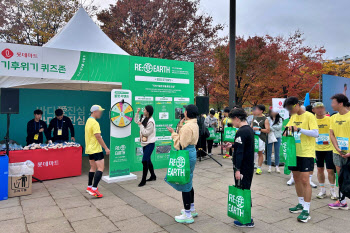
(147, 139)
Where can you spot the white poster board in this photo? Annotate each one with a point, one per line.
(277, 103)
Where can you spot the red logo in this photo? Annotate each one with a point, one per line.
(7, 53)
(280, 103)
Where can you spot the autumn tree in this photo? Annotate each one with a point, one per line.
(339, 69)
(170, 29)
(268, 67)
(34, 22)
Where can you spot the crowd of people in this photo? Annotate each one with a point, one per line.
(319, 138)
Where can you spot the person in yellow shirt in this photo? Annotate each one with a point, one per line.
(93, 148)
(305, 129)
(340, 134)
(324, 151)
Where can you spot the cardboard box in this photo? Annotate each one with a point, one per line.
(20, 185)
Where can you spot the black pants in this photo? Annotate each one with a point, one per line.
(188, 198)
(210, 145)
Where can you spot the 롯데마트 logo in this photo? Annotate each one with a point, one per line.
(280, 103)
(7, 53)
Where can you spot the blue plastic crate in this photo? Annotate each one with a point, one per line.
(4, 174)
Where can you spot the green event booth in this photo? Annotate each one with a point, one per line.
(50, 78)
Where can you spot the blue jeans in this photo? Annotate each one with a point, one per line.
(277, 152)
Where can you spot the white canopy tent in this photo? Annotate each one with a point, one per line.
(80, 34)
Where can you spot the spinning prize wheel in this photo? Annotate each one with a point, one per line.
(121, 114)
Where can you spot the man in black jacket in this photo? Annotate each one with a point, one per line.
(35, 129)
(61, 126)
(243, 156)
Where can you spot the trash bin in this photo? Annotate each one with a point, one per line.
(20, 178)
(4, 169)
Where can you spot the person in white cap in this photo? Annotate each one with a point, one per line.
(94, 144)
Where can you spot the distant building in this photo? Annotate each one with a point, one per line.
(342, 60)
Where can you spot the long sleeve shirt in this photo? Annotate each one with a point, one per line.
(149, 131)
(33, 128)
(186, 135)
(65, 125)
(243, 158)
(211, 122)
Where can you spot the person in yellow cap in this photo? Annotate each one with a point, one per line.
(94, 144)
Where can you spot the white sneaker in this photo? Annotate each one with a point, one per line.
(321, 195)
(193, 212)
(269, 171)
(313, 185)
(184, 219)
(210, 154)
(333, 195)
(290, 182)
(278, 170)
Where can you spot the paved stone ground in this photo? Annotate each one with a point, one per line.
(63, 206)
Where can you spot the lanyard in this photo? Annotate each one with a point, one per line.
(61, 124)
(35, 125)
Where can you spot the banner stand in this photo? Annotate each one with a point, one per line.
(109, 179)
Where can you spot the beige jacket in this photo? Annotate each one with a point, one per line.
(149, 131)
(187, 134)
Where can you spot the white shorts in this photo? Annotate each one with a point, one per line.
(261, 145)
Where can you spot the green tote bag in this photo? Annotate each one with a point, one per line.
(239, 204)
(256, 143)
(212, 133)
(217, 138)
(288, 149)
(229, 134)
(179, 170)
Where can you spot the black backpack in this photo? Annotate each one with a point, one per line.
(344, 180)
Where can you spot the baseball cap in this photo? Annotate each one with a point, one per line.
(318, 104)
(96, 108)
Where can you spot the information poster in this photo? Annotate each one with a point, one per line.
(170, 83)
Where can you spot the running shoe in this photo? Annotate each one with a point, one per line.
(258, 171)
(278, 170)
(313, 185)
(338, 206)
(238, 224)
(89, 190)
(297, 209)
(269, 171)
(96, 193)
(184, 219)
(304, 216)
(321, 195)
(226, 156)
(290, 182)
(193, 213)
(333, 195)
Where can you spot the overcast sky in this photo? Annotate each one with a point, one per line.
(324, 22)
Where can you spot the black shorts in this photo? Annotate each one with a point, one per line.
(304, 164)
(325, 156)
(97, 156)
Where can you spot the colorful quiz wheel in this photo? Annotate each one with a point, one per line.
(121, 114)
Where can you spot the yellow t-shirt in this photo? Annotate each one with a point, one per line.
(92, 146)
(340, 124)
(323, 142)
(305, 145)
(227, 121)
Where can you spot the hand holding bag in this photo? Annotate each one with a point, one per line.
(239, 204)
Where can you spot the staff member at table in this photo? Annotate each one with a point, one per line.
(61, 126)
(35, 129)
